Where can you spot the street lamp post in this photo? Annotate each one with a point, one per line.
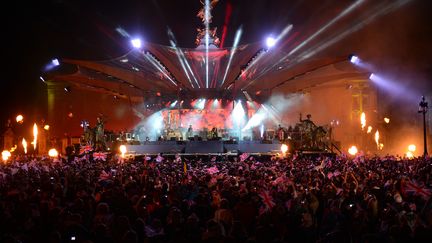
(423, 107)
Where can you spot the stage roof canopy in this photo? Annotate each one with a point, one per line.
(172, 72)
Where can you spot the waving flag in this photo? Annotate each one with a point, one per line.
(413, 188)
(244, 156)
(104, 176)
(177, 158)
(212, 170)
(85, 149)
(159, 158)
(99, 156)
(267, 200)
(24, 167)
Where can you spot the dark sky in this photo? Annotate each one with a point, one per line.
(34, 32)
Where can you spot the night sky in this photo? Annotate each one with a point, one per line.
(34, 32)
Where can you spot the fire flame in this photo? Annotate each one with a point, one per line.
(386, 120)
(353, 150)
(409, 155)
(363, 120)
(5, 155)
(284, 148)
(53, 153)
(369, 129)
(123, 150)
(24, 144)
(13, 148)
(377, 136)
(19, 119)
(35, 134)
(412, 148)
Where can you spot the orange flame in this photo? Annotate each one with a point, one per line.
(123, 150)
(369, 129)
(377, 136)
(35, 134)
(19, 119)
(363, 120)
(5, 155)
(52, 153)
(412, 148)
(24, 144)
(353, 150)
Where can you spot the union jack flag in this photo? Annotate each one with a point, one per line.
(104, 176)
(244, 156)
(85, 149)
(99, 156)
(267, 200)
(414, 188)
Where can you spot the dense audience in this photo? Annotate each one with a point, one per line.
(216, 199)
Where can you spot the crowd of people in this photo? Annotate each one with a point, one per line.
(216, 199)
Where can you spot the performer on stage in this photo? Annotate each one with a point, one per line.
(213, 133)
(100, 133)
(281, 133)
(308, 122)
(308, 128)
(189, 132)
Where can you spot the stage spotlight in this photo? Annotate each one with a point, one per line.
(174, 104)
(372, 76)
(354, 59)
(215, 103)
(270, 42)
(67, 89)
(238, 114)
(200, 104)
(55, 62)
(136, 43)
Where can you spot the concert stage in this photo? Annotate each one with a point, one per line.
(204, 147)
